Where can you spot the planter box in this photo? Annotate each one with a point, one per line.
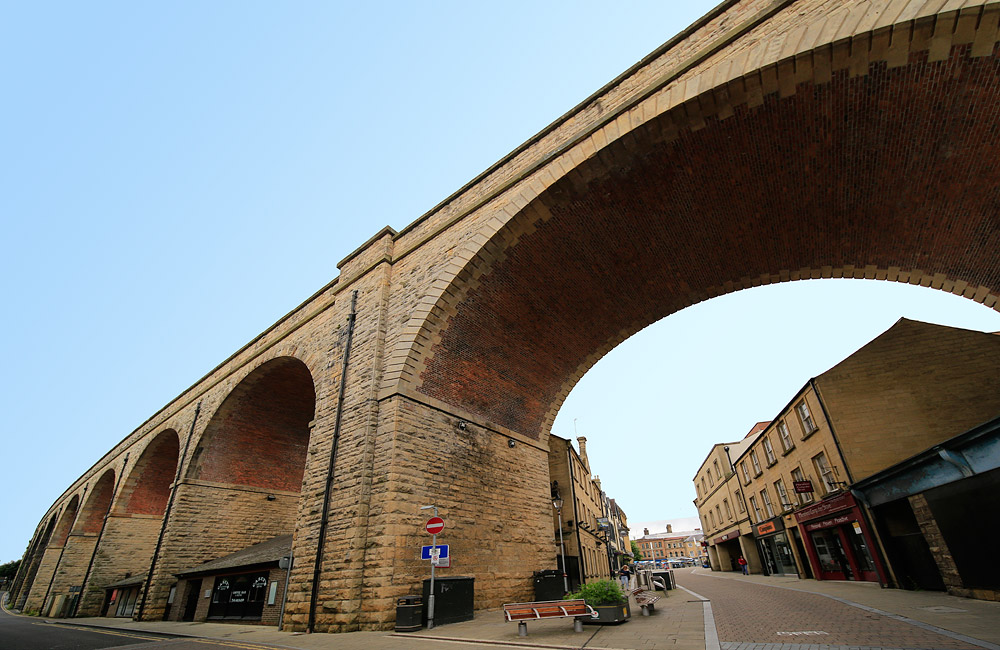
(609, 615)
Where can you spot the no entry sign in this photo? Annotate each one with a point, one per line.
(435, 525)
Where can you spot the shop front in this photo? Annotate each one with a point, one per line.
(838, 541)
(727, 548)
(775, 551)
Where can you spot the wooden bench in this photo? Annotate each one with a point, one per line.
(645, 600)
(524, 612)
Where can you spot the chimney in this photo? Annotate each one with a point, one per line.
(670, 528)
(597, 479)
(583, 451)
(645, 532)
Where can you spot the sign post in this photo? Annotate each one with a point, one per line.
(434, 526)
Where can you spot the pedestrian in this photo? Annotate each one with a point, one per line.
(624, 573)
(743, 565)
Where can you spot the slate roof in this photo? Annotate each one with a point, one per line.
(131, 581)
(268, 552)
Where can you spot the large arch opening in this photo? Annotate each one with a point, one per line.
(133, 526)
(35, 599)
(260, 434)
(242, 485)
(889, 175)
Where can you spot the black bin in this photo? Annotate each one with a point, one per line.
(453, 599)
(409, 614)
(548, 585)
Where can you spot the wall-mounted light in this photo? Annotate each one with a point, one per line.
(463, 425)
(271, 497)
(511, 443)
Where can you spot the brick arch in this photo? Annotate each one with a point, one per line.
(260, 433)
(96, 507)
(875, 161)
(65, 525)
(147, 488)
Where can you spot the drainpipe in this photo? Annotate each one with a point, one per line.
(166, 515)
(318, 565)
(576, 515)
(100, 535)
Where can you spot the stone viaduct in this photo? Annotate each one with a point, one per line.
(773, 140)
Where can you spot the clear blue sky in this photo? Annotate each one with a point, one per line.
(177, 176)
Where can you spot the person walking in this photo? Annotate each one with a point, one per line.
(624, 574)
(743, 565)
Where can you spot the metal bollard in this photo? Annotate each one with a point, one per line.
(577, 625)
(522, 628)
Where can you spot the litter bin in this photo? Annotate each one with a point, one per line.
(409, 614)
(667, 577)
(453, 599)
(548, 585)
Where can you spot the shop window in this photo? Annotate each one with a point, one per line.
(804, 497)
(765, 498)
(805, 417)
(238, 597)
(786, 438)
(746, 473)
(825, 472)
(755, 462)
(768, 451)
(779, 487)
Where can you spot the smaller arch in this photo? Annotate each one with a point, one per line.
(66, 520)
(92, 516)
(260, 433)
(147, 488)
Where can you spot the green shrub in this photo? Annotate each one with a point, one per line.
(601, 592)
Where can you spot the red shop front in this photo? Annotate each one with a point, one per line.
(837, 539)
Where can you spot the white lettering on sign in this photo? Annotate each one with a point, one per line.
(805, 633)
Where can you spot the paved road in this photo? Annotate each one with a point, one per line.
(28, 633)
(749, 613)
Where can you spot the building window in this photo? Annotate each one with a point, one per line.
(729, 511)
(825, 472)
(779, 487)
(758, 516)
(808, 426)
(711, 483)
(746, 473)
(739, 501)
(786, 438)
(711, 519)
(766, 500)
(703, 488)
(718, 514)
(718, 472)
(804, 497)
(768, 451)
(755, 462)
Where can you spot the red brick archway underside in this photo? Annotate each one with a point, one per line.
(896, 169)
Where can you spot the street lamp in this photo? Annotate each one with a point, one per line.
(557, 503)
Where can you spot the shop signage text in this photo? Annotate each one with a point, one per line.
(829, 523)
(825, 507)
(764, 529)
(802, 487)
(719, 540)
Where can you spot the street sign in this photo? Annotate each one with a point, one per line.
(435, 525)
(428, 552)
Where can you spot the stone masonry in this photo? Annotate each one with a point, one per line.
(773, 140)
